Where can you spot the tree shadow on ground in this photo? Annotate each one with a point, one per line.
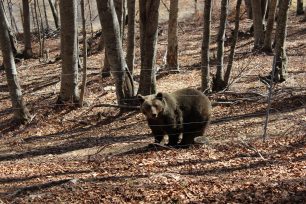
(7, 180)
(284, 191)
(78, 129)
(77, 144)
(280, 106)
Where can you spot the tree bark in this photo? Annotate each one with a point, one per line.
(46, 16)
(12, 36)
(299, 7)
(280, 38)
(38, 29)
(54, 13)
(130, 54)
(264, 9)
(172, 50)
(248, 4)
(84, 79)
(27, 30)
(205, 47)
(21, 113)
(233, 45)
(113, 47)
(69, 51)
(119, 8)
(267, 47)
(219, 80)
(90, 17)
(148, 39)
(258, 24)
(106, 67)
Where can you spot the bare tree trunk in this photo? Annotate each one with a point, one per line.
(257, 23)
(90, 17)
(21, 113)
(113, 47)
(172, 50)
(280, 38)
(248, 4)
(299, 7)
(27, 30)
(233, 45)
(21, 15)
(69, 51)
(196, 7)
(148, 39)
(10, 9)
(106, 66)
(33, 17)
(38, 29)
(54, 13)
(130, 54)
(205, 47)
(219, 80)
(83, 87)
(46, 16)
(267, 47)
(119, 7)
(11, 34)
(264, 9)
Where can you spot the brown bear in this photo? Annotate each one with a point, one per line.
(185, 111)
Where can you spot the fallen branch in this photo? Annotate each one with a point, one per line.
(98, 151)
(117, 106)
(250, 147)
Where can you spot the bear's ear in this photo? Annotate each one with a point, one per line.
(140, 98)
(159, 96)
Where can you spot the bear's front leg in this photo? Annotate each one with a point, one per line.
(173, 140)
(158, 134)
(173, 135)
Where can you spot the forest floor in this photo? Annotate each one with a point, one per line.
(95, 154)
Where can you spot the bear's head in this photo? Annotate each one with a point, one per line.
(152, 106)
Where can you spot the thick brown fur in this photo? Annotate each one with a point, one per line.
(185, 111)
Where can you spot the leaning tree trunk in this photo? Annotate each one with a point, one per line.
(21, 113)
(12, 36)
(280, 38)
(148, 39)
(113, 47)
(130, 53)
(299, 7)
(172, 50)
(54, 13)
(27, 30)
(233, 45)
(219, 80)
(69, 52)
(257, 23)
(267, 47)
(205, 85)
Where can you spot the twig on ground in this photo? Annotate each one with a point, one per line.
(250, 147)
(98, 151)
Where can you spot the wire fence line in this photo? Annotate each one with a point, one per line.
(212, 121)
